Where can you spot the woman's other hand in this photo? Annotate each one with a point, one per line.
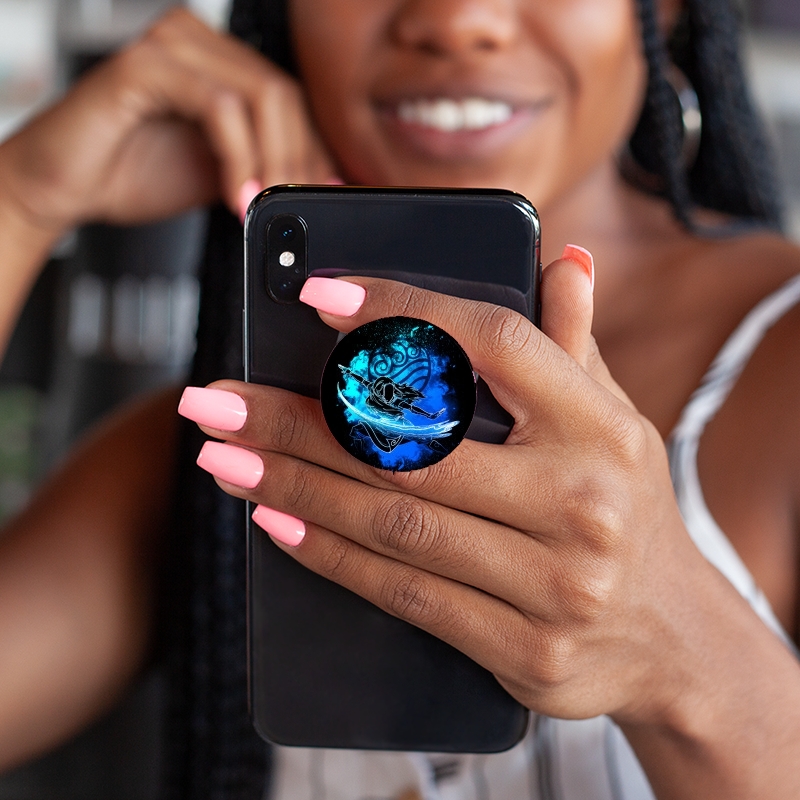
(179, 118)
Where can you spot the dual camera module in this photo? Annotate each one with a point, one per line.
(287, 243)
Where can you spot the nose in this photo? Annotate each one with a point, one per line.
(450, 27)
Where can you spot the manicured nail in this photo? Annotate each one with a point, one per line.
(580, 255)
(341, 298)
(250, 188)
(216, 408)
(280, 526)
(232, 464)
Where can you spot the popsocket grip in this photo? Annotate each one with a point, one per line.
(398, 393)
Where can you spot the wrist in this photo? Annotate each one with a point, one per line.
(23, 235)
(724, 719)
(25, 244)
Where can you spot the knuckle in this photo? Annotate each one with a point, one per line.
(300, 489)
(268, 95)
(132, 73)
(131, 60)
(417, 481)
(627, 438)
(551, 665)
(335, 559)
(412, 598)
(287, 427)
(594, 514)
(588, 593)
(224, 102)
(406, 525)
(407, 299)
(507, 334)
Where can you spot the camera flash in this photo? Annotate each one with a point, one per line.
(286, 258)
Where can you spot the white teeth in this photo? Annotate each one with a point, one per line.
(447, 115)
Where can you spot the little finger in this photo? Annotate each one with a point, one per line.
(485, 628)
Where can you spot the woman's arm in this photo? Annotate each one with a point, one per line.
(77, 572)
(180, 118)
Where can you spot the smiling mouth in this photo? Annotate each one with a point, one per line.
(451, 116)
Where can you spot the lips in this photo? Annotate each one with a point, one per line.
(467, 126)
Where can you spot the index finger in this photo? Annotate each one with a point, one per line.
(524, 368)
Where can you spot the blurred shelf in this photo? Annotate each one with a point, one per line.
(773, 59)
(773, 62)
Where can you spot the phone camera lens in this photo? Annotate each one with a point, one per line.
(287, 243)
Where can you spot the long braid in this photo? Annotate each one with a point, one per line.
(733, 172)
(212, 750)
(656, 143)
(265, 25)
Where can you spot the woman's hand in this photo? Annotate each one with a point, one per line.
(542, 558)
(558, 560)
(180, 117)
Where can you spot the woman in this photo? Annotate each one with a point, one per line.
(581, 583)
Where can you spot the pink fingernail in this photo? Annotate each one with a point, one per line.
(216, 408)
(250, 188)
(334, 180)
(580, 255)
(232, 464)
(280, 526)
(341, 298)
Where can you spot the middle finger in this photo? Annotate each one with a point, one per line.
(501, 561)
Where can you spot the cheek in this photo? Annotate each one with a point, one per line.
(596, 47)
(333, 40)
(610, 73)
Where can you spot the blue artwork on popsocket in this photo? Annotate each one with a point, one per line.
(398, 393)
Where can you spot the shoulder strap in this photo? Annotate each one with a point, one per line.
(726, 368)
(683, 443)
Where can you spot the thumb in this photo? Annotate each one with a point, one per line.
(568, 304)
(567, 310)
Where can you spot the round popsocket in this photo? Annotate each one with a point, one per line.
(398, 393)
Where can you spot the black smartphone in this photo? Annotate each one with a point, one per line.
(327, 668)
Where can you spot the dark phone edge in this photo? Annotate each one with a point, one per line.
(515, 198)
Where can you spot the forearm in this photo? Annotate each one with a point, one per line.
(77, 575)
(24, 248)
(732, 730)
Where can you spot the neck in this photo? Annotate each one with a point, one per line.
(631, 235)
(610, 218)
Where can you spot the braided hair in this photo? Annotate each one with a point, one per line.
(211, 749)
(733, 172)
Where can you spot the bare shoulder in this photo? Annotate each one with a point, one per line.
(760, 267)
(755, 263)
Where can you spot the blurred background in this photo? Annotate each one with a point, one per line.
(114, 313)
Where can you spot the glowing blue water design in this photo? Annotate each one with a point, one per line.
(397, 404)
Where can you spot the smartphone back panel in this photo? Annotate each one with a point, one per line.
(327, 668)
